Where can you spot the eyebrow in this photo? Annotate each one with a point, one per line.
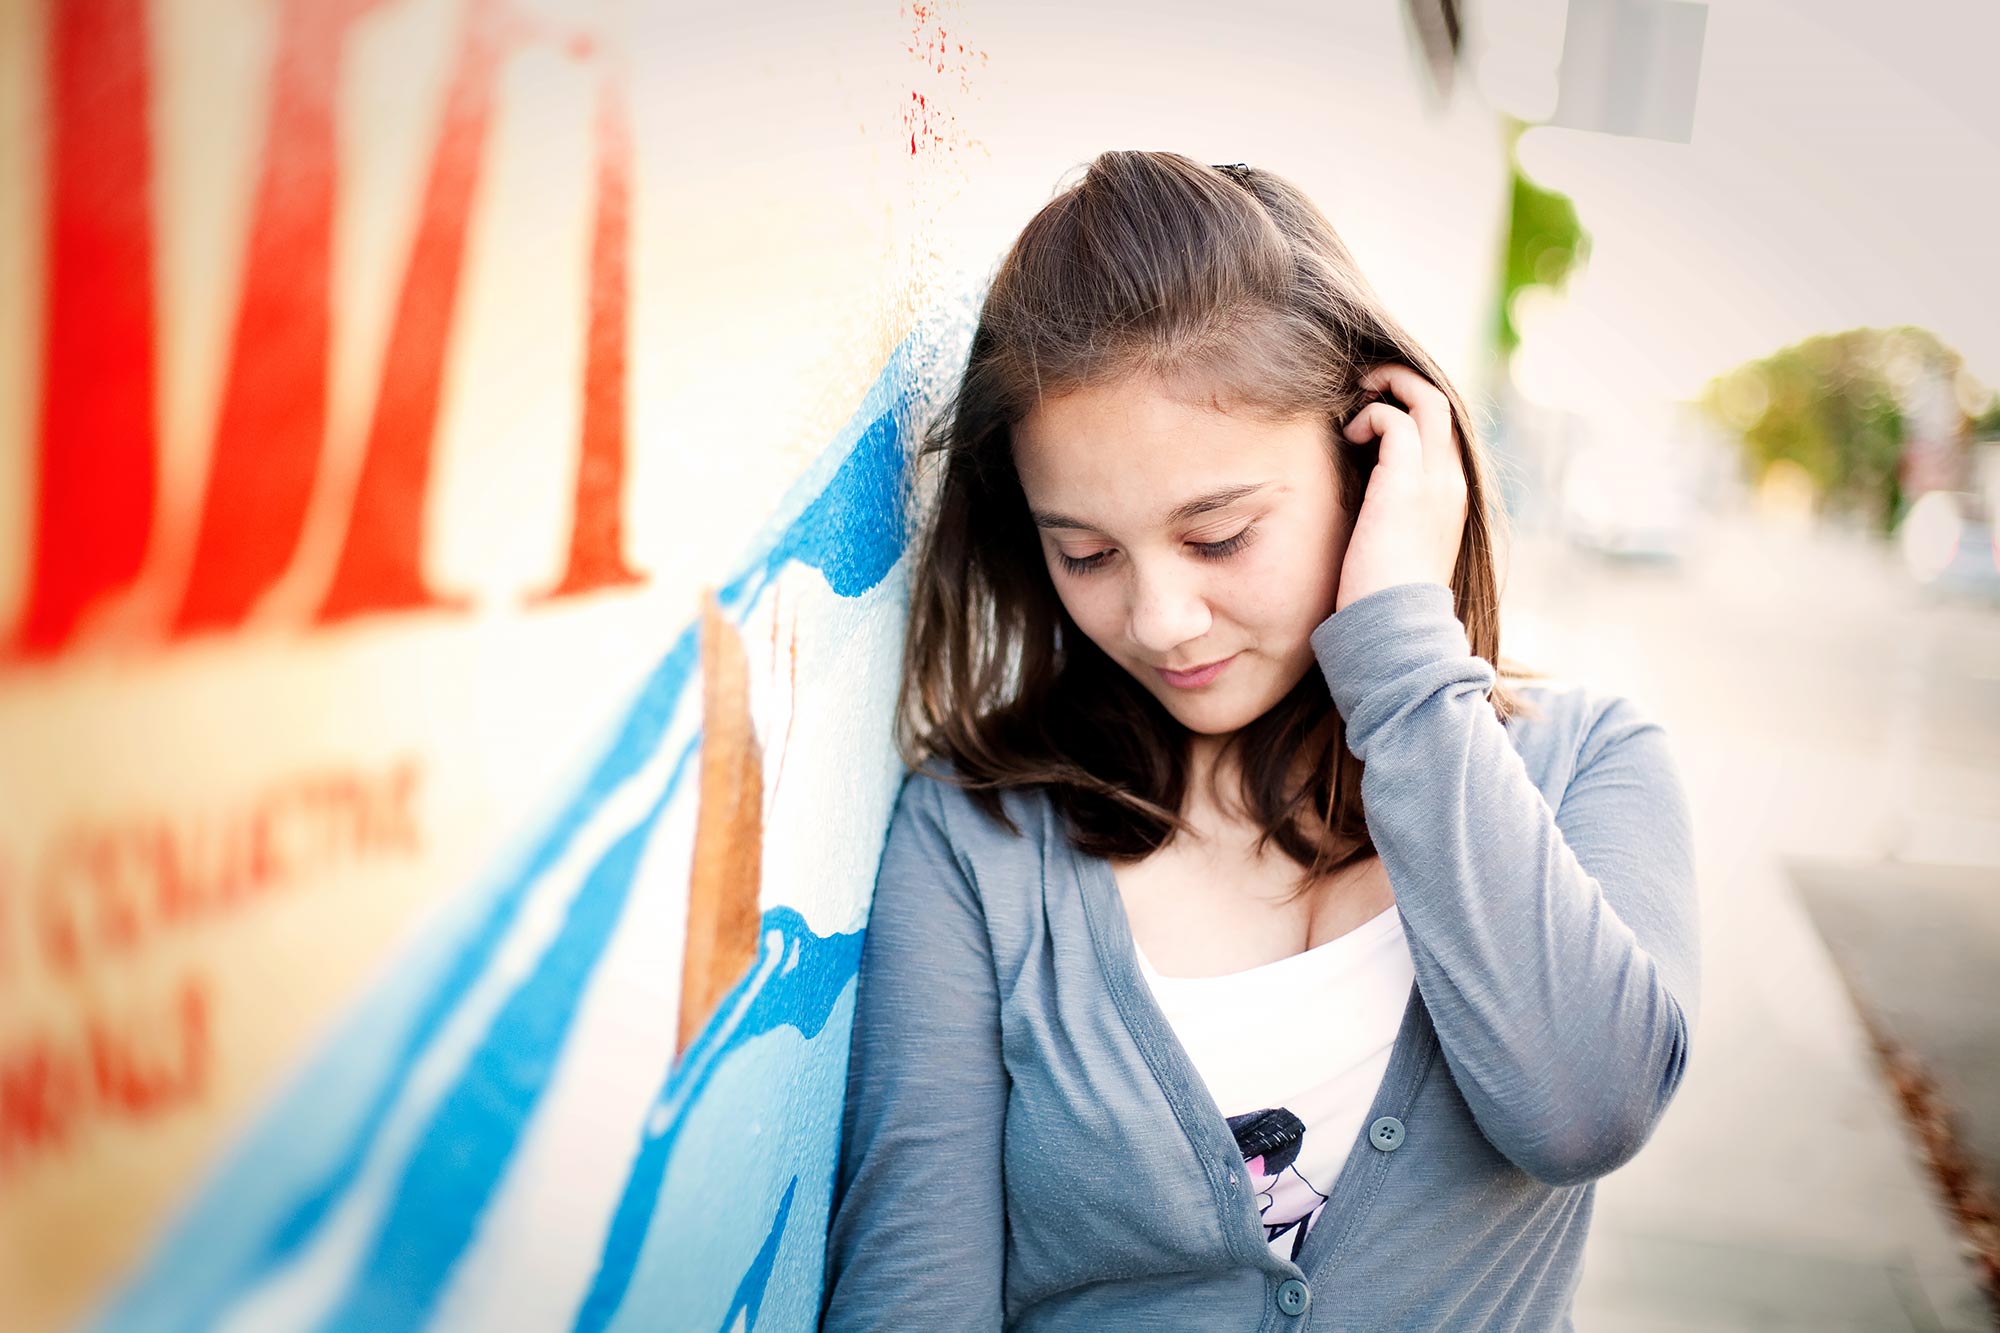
(1181, 513)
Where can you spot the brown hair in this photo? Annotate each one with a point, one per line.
(1150, 263)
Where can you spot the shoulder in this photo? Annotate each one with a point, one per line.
(935, 794)
(1567, 726)
(1572, 715)
(941, 844)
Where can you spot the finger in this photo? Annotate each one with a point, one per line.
(1402, 444)
(1427, 406)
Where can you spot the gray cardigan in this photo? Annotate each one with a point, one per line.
(1026, 1144)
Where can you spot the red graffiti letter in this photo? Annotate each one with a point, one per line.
(596, 542)
(94, 504)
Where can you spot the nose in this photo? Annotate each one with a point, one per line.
(1167, 608)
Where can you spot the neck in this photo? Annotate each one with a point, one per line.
(1205, 771)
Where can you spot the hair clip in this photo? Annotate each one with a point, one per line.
(1230, 166)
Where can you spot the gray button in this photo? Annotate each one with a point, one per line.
(1386, 1133)
(1294, 1296)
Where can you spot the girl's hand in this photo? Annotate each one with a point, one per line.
(1413, 514)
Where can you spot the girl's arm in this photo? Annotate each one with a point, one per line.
(917, 1237)
(1557, 951)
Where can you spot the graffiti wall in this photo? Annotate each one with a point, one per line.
(453, 495)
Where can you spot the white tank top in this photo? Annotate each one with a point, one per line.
(1293, 1053)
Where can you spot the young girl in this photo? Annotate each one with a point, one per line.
(1244, 953)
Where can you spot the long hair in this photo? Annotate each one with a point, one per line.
(1150, 263)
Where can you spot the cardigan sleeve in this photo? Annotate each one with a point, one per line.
(917, 1235)
(1557, 951)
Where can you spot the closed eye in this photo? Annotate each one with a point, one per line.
(1221, 550)
(1083, 565)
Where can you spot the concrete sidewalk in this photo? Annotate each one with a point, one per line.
(1783, 1190)
(1919, 948)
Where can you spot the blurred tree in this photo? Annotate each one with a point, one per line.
(1986, 426)
(1847, 408)
(1545, 244)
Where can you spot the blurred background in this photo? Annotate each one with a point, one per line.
(452, 517)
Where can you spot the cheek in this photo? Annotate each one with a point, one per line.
(1091, 603)
(1283, 583)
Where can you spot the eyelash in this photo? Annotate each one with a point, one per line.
(1221, 550)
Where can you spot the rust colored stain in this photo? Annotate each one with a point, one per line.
(728, 833)
(791, 715)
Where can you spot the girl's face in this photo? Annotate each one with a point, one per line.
(1179, 537)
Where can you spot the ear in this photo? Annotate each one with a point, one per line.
(1353, 466)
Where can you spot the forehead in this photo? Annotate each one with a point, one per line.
(1133, 449)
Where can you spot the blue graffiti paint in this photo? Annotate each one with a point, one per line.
(173, 1293)
(798, 993)
(854, 532)
(852, 527)
(749, 1297)
(640, 735)
(473, 1133)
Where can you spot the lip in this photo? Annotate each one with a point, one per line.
(1196, 678)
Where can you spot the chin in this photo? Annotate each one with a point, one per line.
(1216, 717)
(1225, 729)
